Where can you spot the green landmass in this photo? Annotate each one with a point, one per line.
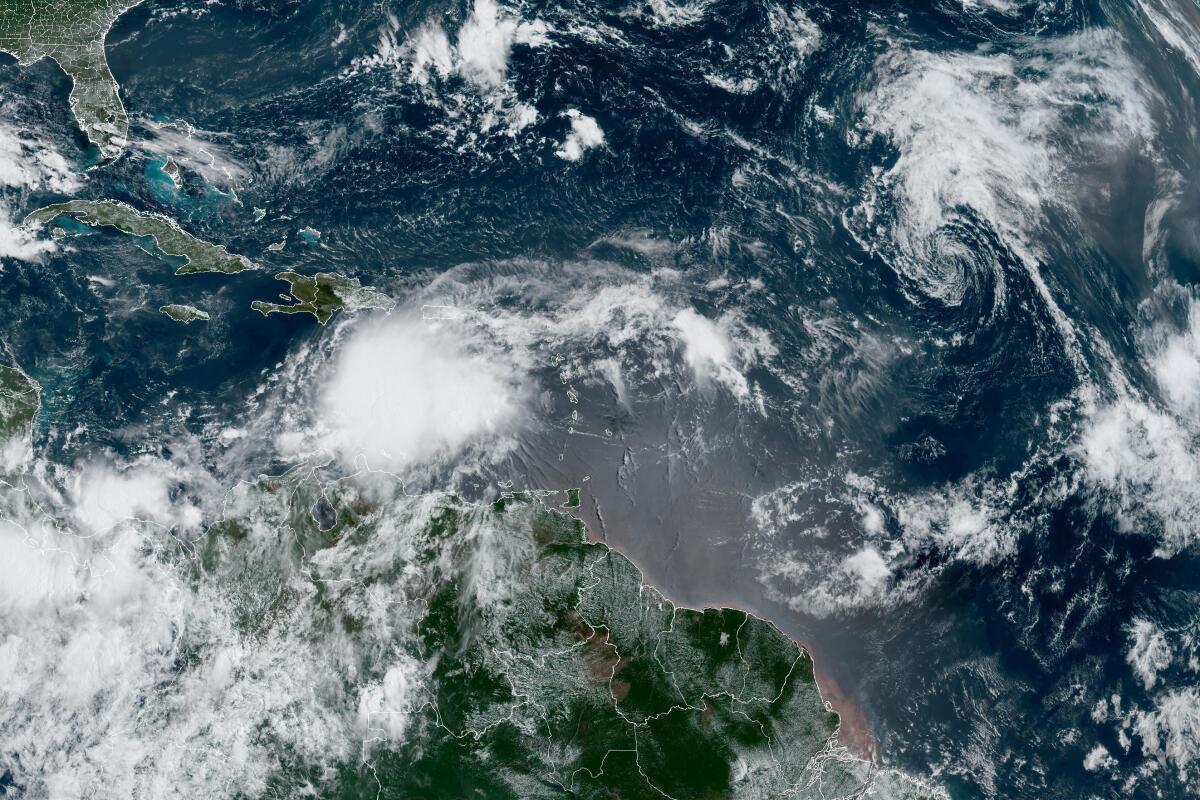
(350, 640)
(170, 240)
(184, 314)
(322, 295)
(20, 397)
(542, 666)
(72, 32)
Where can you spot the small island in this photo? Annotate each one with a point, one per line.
(184, 314)
(322, 295)
(169, 238)
(72, 33)
(171, 170)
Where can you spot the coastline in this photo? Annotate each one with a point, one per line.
(855, 732)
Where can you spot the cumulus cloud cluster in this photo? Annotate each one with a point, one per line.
(460, 381)
(403, 391)
(1148, 651)
(27, 164)
(889, 546)
(91, 618)
(615, 326)
(477, 56)
(126, 664)
(481, 50)
(20, 243)
(102, 497)
(93, 634)
(584, 135)
(1170, 732)
(1139, 453)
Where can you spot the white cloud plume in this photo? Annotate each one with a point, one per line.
(403, 391)
(1139, 452)
(584, 135)
(1148, 651)
(20, 243)
(479, 52)
(1171, 732)
(27, 163)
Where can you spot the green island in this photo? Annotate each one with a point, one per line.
(322, 295)
(572, 499)
(183, 313)
(535, 664)
(170, 240)
(72, 33)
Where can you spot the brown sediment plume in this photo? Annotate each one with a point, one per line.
(855, 732)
